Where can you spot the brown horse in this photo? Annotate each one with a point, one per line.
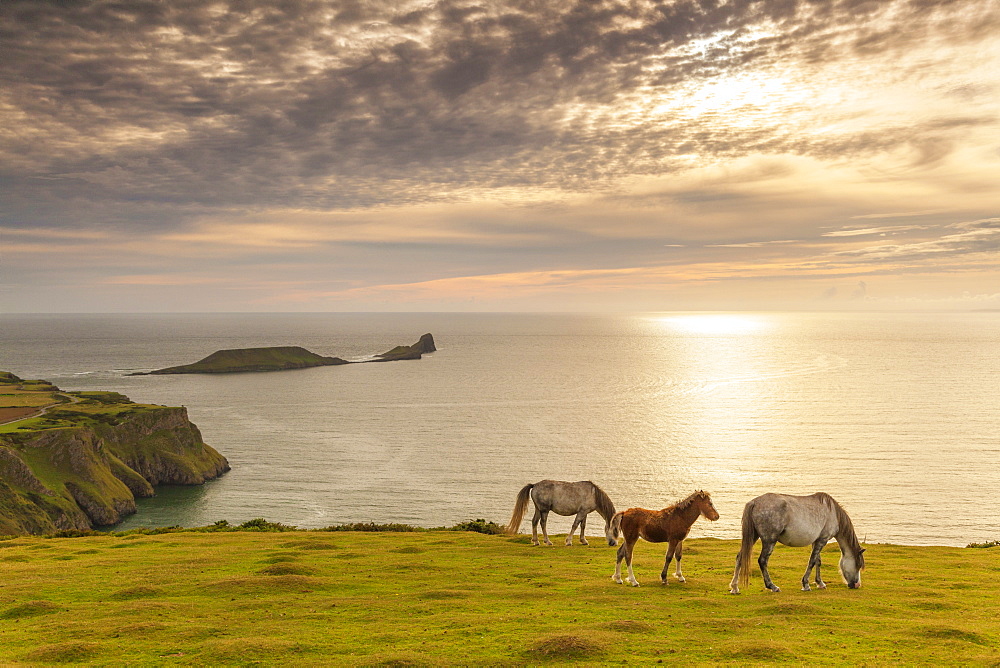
(670, 525)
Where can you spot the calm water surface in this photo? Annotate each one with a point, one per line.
(895, 415)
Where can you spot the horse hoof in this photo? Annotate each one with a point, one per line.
(820, 585)
(775, 589)
(806, 588)
(680, 578)
(734, 591)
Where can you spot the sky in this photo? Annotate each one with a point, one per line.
(515, 155)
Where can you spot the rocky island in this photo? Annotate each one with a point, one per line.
(239, 360)
(77, 460)
(279, 358)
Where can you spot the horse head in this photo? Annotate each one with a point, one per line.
(611, 533)
(851, 565)
(706, 506)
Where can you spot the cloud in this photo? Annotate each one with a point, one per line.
(359, 104)
(865, 231)
(393, 143)
(755, 244)
(898, 214)
(980, 236)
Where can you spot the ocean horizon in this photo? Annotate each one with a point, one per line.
(894, 414)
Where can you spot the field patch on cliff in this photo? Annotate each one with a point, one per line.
(441, 598)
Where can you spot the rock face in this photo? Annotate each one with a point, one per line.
(79, 477)
(414, 352)
(253, 359)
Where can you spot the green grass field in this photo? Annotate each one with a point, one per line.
(461, 598)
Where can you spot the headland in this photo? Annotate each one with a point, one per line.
(78, 460)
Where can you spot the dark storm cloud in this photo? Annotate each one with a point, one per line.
(147, 112)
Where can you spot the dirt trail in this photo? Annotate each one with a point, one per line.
(44, 409)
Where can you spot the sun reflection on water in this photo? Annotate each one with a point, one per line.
(713, 324)
(720, 400)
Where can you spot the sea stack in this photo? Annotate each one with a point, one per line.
(424, 345)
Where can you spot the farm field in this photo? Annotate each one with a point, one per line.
(463, 598)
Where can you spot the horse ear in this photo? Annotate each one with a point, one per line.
(863, 550)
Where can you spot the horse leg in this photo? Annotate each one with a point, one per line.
(583, 529)
(734, 585)
(815, 559)
(534, 526)
(628, 562)
(545, 533)
(677, 556)
(572, 530)
(671, 548)
(766, 548)
(622, 550)
(819, 579)
(812, 562)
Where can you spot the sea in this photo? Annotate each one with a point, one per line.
(896, 415)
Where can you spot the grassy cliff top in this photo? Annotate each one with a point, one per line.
(449, 598)
(28, 406)
(80, 459)
(254, 359)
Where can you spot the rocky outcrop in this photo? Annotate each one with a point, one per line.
(280, 358)
(414, 352)
(79, 477)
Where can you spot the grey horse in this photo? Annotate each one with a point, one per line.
(564, 498)
(797, 521)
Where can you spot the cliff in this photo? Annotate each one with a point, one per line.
(82, 464)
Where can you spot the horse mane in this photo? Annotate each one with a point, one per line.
(848, 533)
(604, 505)
(685, 503)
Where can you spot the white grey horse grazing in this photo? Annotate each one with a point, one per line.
(564, 498)
(797, 521)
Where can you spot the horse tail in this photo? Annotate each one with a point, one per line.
(519, 505)
(750, 537)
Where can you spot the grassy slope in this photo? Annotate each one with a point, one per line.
(254, 359)
(348, 598)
